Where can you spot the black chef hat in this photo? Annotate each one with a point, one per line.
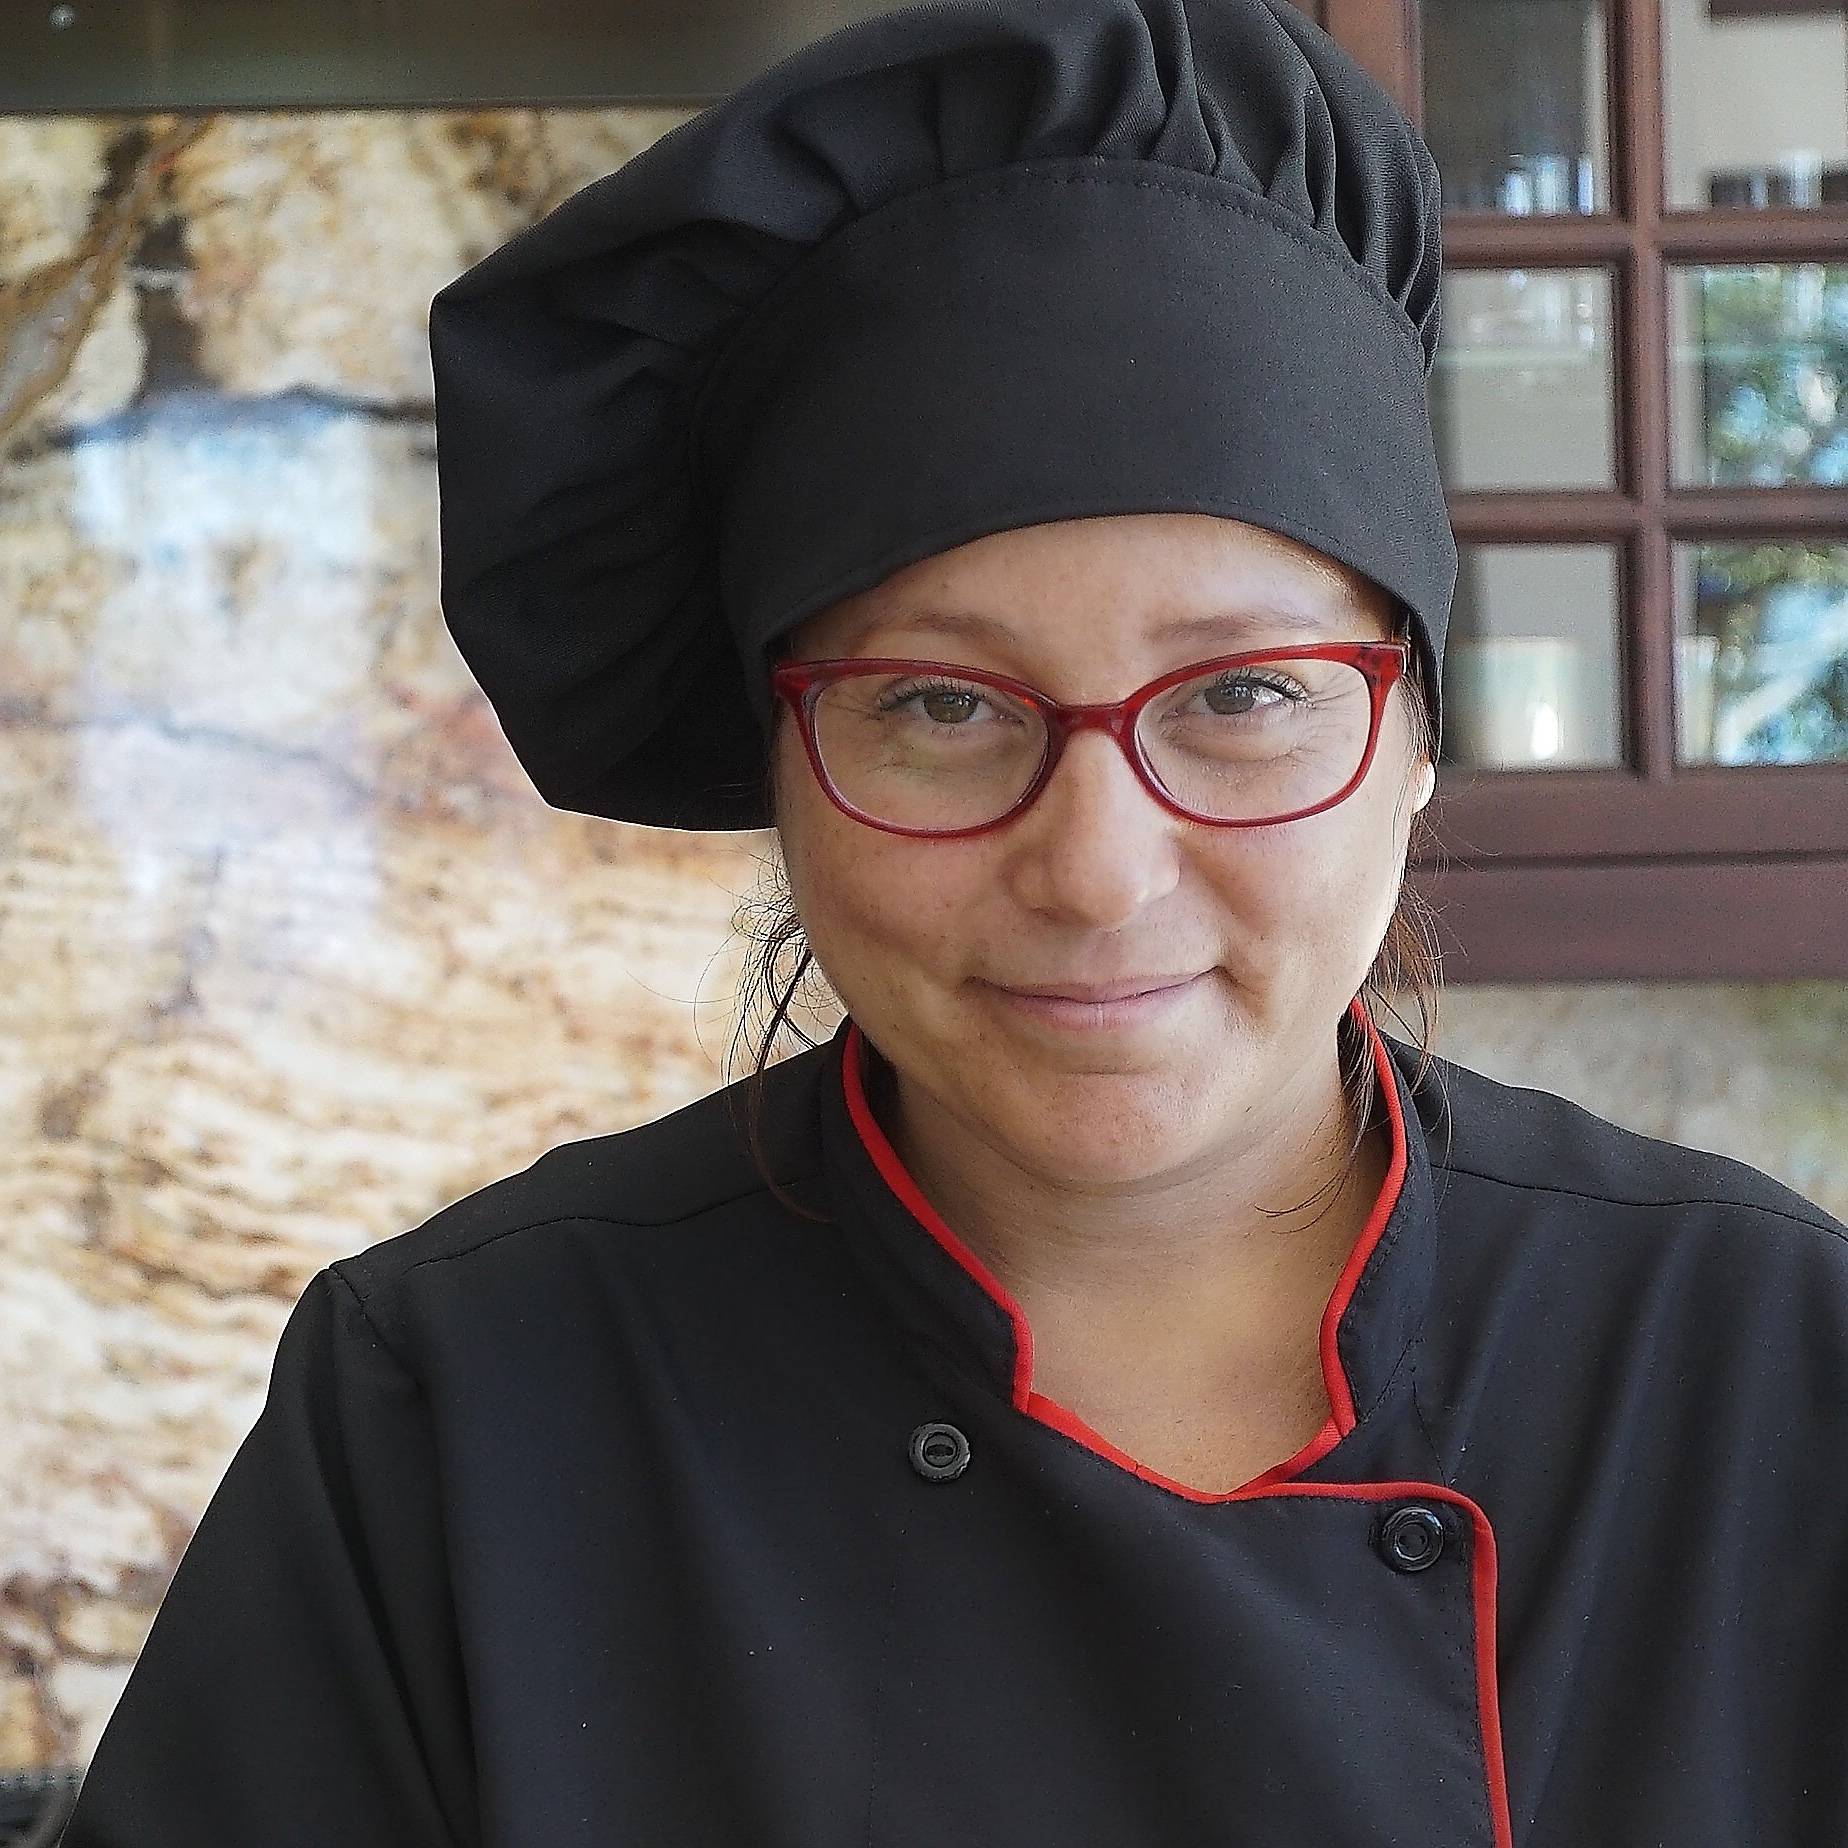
(958, 268)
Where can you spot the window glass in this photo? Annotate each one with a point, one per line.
(1531, 661)
(1521, 394)
(1755, 104)
(1759, 375)
(1514, 99)
(1762, 653)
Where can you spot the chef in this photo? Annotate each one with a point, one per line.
(1109, 1394)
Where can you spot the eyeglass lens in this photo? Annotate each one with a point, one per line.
(936, 752)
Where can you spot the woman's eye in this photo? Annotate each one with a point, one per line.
(1238, 695)
(941, 704)
(948, 707)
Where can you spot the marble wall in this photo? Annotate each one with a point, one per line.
(293, 953)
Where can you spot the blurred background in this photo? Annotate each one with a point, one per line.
(292, 952)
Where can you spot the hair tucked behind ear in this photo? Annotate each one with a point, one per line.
(781, 974)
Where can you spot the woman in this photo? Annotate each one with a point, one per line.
(991, 448)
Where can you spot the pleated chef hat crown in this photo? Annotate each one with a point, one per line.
(954, 269)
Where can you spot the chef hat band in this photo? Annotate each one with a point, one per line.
(953, 269)
(1071, 338)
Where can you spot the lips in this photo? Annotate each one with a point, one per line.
(1102, 991)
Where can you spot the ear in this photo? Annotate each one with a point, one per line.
(1427, 785)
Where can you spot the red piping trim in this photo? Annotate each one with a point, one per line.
(1341, 1417)
(1340, 1395)
(1276, 1480)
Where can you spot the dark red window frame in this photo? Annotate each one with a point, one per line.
(1647, 870)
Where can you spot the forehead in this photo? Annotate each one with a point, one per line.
(1139, 579)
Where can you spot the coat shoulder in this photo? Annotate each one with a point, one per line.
(1523, 1139)
(665, 1172)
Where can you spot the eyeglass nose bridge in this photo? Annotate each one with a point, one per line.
(1117, 719)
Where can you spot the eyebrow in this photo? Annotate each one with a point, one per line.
(1255, 619)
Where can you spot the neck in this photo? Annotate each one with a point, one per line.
(1228, 1257)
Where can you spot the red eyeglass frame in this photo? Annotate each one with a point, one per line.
(799, 684)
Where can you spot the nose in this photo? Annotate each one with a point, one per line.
(1095, 847)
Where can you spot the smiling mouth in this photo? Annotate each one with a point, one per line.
(1101, 992)
(1083, 1015)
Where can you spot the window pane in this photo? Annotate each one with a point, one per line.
(1756, 105)
(1521, 393)
(1762, 653)
(1531, 676)
(1759, 371)
(1514, 104)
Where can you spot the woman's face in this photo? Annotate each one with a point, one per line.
(1096, 881)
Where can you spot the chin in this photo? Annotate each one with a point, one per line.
(1099, 1125)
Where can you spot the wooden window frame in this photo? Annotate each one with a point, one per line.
(1645, 870)
(1748, 9)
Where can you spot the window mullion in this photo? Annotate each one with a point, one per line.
(1637, 139)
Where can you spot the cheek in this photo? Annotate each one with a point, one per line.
(1318, 890)
(870, 902)
(1366, 870)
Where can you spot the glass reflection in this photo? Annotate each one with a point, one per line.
(1521, 394)
(1514, 99)
(1756, 105)
(1762, 653)
(1531, 663)
(1759, 371)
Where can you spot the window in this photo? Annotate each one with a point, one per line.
(1641, 403)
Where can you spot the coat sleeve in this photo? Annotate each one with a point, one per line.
(302, 1682)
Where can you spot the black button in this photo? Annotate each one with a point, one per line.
(939, 1451)
(1412, 1538)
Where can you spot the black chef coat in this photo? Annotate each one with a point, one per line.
(618, 1504)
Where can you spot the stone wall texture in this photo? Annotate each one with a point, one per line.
(294, 955)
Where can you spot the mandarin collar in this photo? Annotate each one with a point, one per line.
(952, 1303)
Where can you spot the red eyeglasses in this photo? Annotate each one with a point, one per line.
(1247, 740)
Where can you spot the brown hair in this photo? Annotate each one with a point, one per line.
(1408, 962)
